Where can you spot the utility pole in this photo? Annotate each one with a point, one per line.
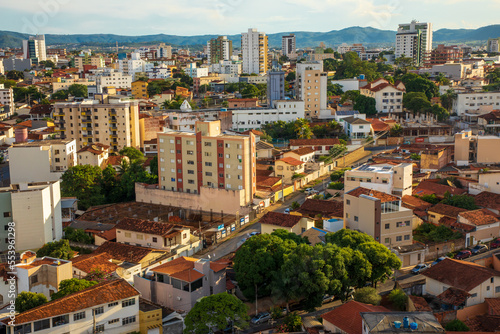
(282, 191)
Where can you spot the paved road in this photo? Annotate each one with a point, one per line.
(300, 197)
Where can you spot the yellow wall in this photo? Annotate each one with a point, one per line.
(150, 319)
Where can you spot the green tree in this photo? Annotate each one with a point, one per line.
(456, 326)
(78, 90)
(302, 129)
(448, 98)
(285, 235)
(383, 261)
(336, 185)
(292, 322)
(14, 75)
(133, 154)
(72, 285)
(27, 300)
(441, 113)
(153, 166)
(404, 63)
(250, 91)
(334, 89)
(367, 295)
(460, 201)
(365, 105)
(295, 205)
(432, 198)
(337, 150)
(396, 130)
(214, 313)
(56, 249)
(77, 235)
(399, 299)
(60, 95)
(416, 102)
(84, 183)
(225, 104)
(99, 276)
(416, 83)
(348, 238)
(290, 76)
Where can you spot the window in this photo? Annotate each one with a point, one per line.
(208, 144)
(79, 316)
(407, 237)
(488, 288)
(190, 152)
(208, 164)
(128, 302)
(23, 329)
(191, 181)
(355, 218)
(497, 289)
(34, 279)
(58, 160)
(208, 173)
(387, 226)
(128, 235)
(139, 236)
(7, 214)
(387, 240)
(348, 201)
(98, 310)
(113, 321)
(128, 320)
(41, 325)
(491, 280)
(399, 238)
(60, 320)
(112, 304)
(190, 171)
(474, 295)
(99, 328)
(155, 239)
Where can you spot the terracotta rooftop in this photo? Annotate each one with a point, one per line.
(267, 181)
(262, 145)
(123, 252)
(147, 226)
(453, 296)
(378, 125)
(488, 200)
(383, 197)
(312, 207)
(280, 219)
(347, 317)
(89, 262)
(446, 210)
(480, 217)
(462, 275)
(96, 148)
(303, 151)
(219, 265)
(428, 188)
(41, 109)
(453, 223)
(493, 305)
(291, 161)
(420, 304)
(412, 202)
(314, 142)
(177, 265)
(102, 293)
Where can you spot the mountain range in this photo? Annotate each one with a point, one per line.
(366, 35)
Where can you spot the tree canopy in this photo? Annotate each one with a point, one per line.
(27, 300)
(56, 249)
(69, 286)
(216, 312)
(415, 83)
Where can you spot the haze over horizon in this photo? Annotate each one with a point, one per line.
(229, 17)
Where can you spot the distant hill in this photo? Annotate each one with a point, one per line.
(349, 35)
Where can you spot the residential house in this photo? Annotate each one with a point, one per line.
(330, 212)
(111, 307)
(180, 283)
(132, 254)
(41, 161)
(429, 187)
(384, 322)
(86, 264)
(486, 225)
(388, 97)
(473, 104)
(433, 159)
(288, 167)
(157, 235)
(357, 128)
(380, 215)
(488, 200)
(347, 317)
(243, 103)
(265, 150)
(476, 149)
(272, 221)
(42, 275)
(490, 122)
(41, 111)
(322, 146)
(487, 181)
(441, 210)
(476, 281)
(391, 179)
(94, 154)
(304, 154)
(151, 147)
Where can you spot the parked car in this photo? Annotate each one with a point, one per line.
(254, 233)
(328, 299)
(287, 211)
(495, 243)
(419, 268)
(438, 260)
(261, 317)
(479, 249)
(463, 255)
(311, 191)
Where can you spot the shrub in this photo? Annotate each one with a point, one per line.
(336, 185)
(367, 295)
(399, 299)
(456, 326)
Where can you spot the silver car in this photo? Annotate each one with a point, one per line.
(261, 317)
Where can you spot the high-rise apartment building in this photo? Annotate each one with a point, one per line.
(35, 209)
(207, 157)
(414, 40)
(109, 121)
(310, 87)
(275, 87)
(88, 59)
(34, 48)
(218, 49)
(493, 45)
(288, 44)
(254, 52)
(443, 54)
(164, 51)
(7, 99)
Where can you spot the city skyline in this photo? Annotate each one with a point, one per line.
(228, 17)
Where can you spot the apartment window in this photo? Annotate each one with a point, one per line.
(387, 226)
(98, 310)
(155, 239)
(491, 280)
(7, 214)
(497, 289)
(41, 325)
(190, 152)
(56, 152)
(399, 238)
(474, 295)
(208, 173)
(60, 320)
(99, 328)
(387, 240)
(190, 171)
(407, 237)
(356, 218)
(348, 201)
(128, 320)
(113, 321)
(79, 316)
(128, 302)
(191, 181)
(208, 144)
(112, 304)
(228, 145)
(208, 154)
(58, 160)
(208, 164)
(190, 162)
(128, 235)
(34, 279)
(139, 236)
(221, 155)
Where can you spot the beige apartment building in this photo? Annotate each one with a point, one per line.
(395, 180)
(107, 120)
(97, 61)
(379, 215)
(94, 154)
(189, 161)
(471, 148)
(311, 87)
(41, 161)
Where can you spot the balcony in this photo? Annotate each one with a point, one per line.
(112, 112)
(112, 120)
(87, 135)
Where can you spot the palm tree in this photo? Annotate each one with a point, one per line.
(302, 129)
(165, 104)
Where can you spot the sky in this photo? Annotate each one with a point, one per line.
(228, 17)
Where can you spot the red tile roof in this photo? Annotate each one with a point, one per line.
(219, 265)
(115, 160)
(420, 304)
(313, 207)
(383, 197)
(412, 202)
(452, 222)
(267, 181)
(488, 200)
(303, 151)
(123, 252)
(314, 142)
(189, 275)
(280, 219)
(446, 210)
(480, 217)
(96, 148)
(460, 274)
(378, 125)
(149, 227)
(493, 305)
(347, 317)
(102, 293)
(291, 161)
(89, 262)
(428, 188)
(177, 265)
(453, 296)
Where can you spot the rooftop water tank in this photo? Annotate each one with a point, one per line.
(406, 322)
(413, 326)
(397, 324)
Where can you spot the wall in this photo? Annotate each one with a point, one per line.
(471, 311)
(351, 158)
(23, 169)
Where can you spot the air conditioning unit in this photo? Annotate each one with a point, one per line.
(179, 298)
